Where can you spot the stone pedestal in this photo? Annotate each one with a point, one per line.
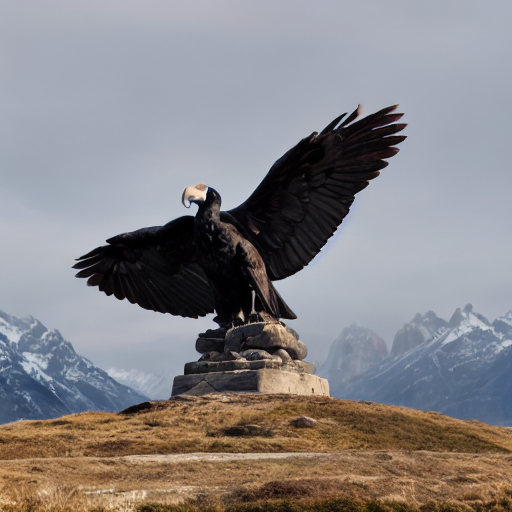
(264, 376)
(259, 357)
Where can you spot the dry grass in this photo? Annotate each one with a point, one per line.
(412, 478)
(200, 424)
(367, 453)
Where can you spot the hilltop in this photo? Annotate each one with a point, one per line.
(357, 451)
(189, 424)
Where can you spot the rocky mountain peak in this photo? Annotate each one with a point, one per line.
(467, 314)
(37, 329)
(421, 328)
(16, 323)
(353, 352)
(461, 368)
(503, 324)
(41, 375)
(40, 340)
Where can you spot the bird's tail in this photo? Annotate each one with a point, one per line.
(276, 305)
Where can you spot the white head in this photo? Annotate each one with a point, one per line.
(194, 194)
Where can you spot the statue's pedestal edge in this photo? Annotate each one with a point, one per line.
(268, 381)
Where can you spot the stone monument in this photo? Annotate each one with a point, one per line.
(259, 357)
(226, 261)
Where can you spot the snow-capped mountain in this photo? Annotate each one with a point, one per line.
(41, 375)
(420, 329)
(157, 386)
(462, 369)
(503, 324)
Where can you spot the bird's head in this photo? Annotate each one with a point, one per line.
(194, 194)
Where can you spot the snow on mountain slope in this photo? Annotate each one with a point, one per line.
(503, 324)
(41, 375)
(462, 370)
(414, 333)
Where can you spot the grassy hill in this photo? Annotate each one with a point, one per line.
(357, 452)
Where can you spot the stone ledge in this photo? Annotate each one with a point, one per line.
(198, 367)
(269, 381)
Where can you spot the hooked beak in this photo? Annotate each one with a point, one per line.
(193, 194)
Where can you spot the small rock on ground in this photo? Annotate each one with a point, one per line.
(303, 422)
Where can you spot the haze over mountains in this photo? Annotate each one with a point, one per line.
(460, 367)
(41, 375)
(157, 386)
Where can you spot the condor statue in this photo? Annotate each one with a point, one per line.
(225, 262)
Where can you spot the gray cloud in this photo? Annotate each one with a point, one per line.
(109, 109)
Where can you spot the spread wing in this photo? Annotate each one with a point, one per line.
(152, 267)
(308, 192)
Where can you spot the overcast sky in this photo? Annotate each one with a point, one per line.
(109, 109)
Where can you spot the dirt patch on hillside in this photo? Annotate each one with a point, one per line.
(399, 476)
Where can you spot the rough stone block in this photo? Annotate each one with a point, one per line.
(266, 336)
(266, 380)
(209, 345)
(197, 367)
(303, 422)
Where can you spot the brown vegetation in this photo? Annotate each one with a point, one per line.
(356, 451)
(204, 424)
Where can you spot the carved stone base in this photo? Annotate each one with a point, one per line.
(258, 357)
(242, 364)
(291, 379)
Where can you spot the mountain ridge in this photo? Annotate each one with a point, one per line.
(460, 368)
(42, 377)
